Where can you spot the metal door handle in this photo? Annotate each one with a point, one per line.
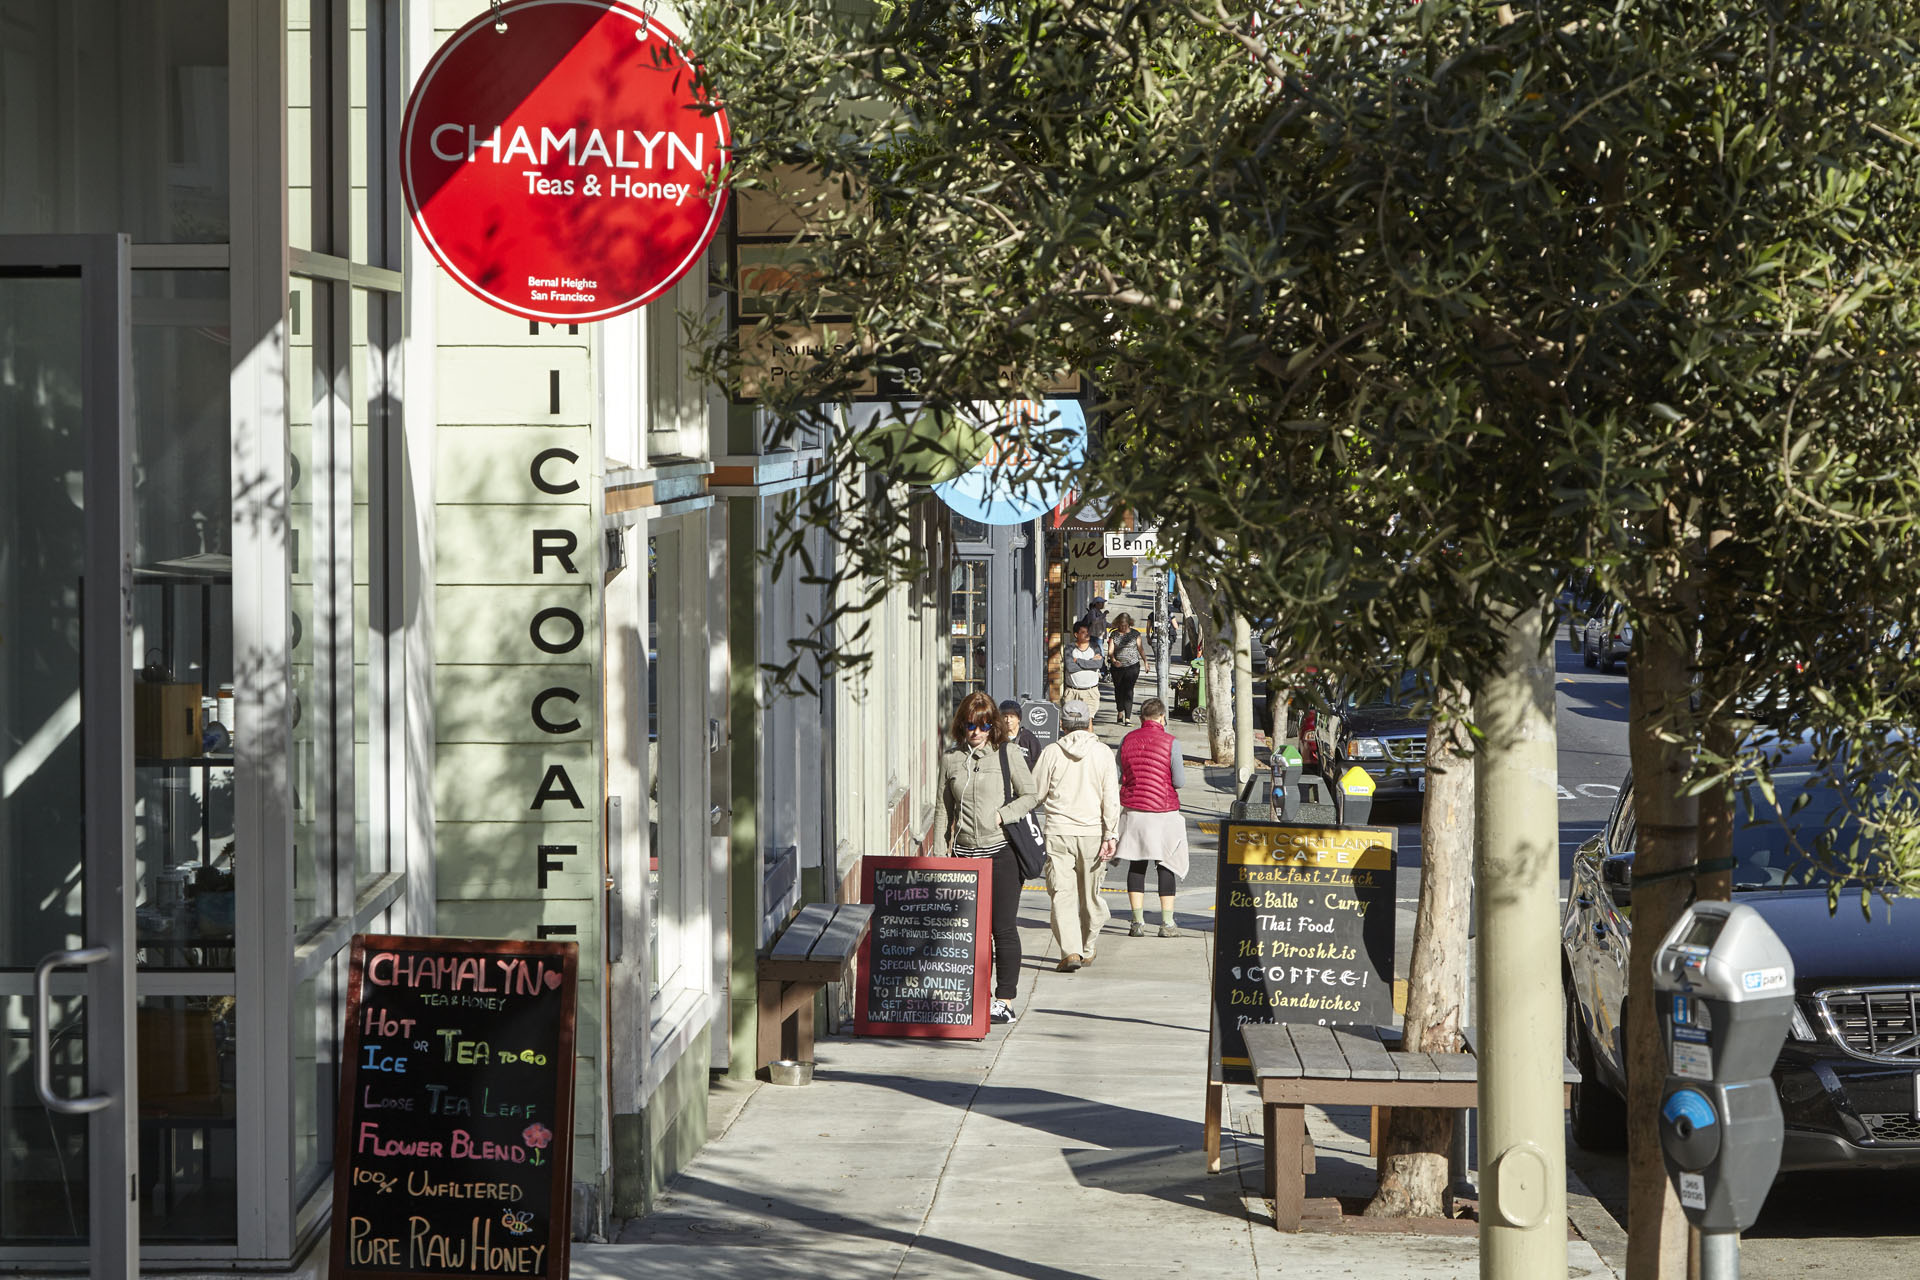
(43, 1040)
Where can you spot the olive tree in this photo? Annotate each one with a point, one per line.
(1397, 314)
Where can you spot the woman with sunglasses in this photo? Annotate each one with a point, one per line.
(970, 812)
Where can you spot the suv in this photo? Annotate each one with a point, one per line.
(1381, 732)
(1846, 1074)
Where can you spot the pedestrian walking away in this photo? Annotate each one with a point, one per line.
(1079, 785)
(1152, 829)
(1018, 733)
(970, 813)
(1081, 672)
(1123, 661)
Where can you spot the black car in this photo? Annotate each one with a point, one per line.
(1849, 1073)
(1384, 733)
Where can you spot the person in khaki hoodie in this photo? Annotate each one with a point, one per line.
(1078, 782)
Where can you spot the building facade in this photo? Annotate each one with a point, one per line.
(333, 601)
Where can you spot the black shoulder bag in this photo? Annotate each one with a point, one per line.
(1023, 833)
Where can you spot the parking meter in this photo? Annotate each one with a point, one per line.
(1286, 783)
(1353, 797)
(1723, 986)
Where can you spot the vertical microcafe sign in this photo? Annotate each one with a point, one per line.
(561, 163)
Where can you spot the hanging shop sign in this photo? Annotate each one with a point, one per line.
(1036, 450)
(568, 167)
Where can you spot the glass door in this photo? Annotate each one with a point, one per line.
(69, 1085)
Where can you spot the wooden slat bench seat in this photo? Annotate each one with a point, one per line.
(1295, 1065)
(814, 949)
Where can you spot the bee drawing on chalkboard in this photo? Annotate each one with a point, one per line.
(518, 1223)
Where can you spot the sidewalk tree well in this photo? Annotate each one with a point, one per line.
(1398, 315)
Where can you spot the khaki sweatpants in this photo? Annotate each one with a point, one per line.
(1091, 697)
(1074, 873)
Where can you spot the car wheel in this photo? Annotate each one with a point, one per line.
(1598, 1114)
(1588, 655)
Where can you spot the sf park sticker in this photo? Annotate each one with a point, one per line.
(567, 167)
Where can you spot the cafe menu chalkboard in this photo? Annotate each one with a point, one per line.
(1303, 930)
(923, 965)
(453, 1150)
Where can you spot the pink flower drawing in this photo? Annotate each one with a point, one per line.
(537, 1136)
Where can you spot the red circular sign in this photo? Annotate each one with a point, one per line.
(567, 168)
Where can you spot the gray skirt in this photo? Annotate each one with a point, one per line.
(1156, 837)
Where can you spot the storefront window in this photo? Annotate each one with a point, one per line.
(368, 111)
(306, 134)
(374, 404)
(967, 628)
(113, 117)
(309, 412)
(189, 1180)
(663, 757)
(184, 838)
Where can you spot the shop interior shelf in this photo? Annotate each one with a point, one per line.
(183, 762)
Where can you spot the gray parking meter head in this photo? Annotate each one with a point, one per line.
(1723, 984)
(1286, 782)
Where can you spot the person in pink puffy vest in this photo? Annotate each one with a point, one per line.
(1152, 828)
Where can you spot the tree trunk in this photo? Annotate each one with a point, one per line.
(1523, 1154)
(1657, 682)
(1219, 657)
(1243, 763)
(1716, 821)
(1414, 1177)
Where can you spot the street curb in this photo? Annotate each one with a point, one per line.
(1596, 1226)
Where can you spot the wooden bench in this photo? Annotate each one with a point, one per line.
(1298, 1064)
(814, 949)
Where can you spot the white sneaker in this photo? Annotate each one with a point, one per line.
(1001, 1011)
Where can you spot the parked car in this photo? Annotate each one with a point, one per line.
(1381, 731)
(1580, 597)
(1607, 636)
(1846, 1075)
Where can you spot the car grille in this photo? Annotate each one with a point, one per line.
(1879, 1023)
(1893, 1126)
(1409, 750)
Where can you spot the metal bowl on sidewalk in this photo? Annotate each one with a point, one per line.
(789, 1071)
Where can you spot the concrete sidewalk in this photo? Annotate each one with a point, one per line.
(1066, 1145)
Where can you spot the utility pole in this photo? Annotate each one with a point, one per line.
(1162, 637)
(1243, 698)
(1523, 1156)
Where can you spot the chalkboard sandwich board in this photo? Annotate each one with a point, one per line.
(1303, 930)
(453, 1151)
(923, 966)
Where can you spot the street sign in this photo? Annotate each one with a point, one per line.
(566, 168)
(1126, 544)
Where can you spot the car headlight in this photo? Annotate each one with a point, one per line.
(1366, 749)
(1799, 1028)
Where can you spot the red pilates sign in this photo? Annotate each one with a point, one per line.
(567, 168)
